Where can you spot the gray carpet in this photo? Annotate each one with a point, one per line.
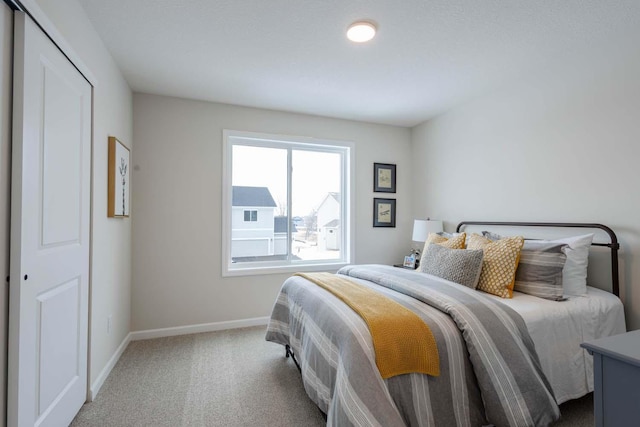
(226, 378)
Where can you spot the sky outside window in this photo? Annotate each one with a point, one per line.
(315, 174)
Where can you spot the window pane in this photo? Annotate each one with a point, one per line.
(316, 205)
(288, 203)
(259, 196)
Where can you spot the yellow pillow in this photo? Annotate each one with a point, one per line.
(454, 242)
(499, 264)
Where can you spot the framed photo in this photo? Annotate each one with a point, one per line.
(384, 178)
(384, 212)
(409, 261)
(119, 169)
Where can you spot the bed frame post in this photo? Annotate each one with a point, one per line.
(614, 270)
(289, 352)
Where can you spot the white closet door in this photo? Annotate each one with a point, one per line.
(48, 313)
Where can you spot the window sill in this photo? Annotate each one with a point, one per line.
(262, 270)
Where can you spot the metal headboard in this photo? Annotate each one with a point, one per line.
(613, 245)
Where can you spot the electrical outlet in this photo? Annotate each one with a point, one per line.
(109, 318)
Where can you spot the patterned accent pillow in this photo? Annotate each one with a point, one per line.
(461, 266)
(574, 272)
(540, 268)
(499, 264)
(454, 242)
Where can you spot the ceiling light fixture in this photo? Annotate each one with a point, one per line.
(361, 31)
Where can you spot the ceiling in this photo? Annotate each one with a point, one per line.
(292, 55)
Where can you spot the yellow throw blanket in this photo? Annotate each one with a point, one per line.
(403, 343)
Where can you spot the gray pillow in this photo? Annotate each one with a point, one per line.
(461, 266)
(492, 236)
(539, 271)
(447, 235)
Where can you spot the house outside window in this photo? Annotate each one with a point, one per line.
(286, 203)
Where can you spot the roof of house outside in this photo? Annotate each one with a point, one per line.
(252, 196)
(330, 195)
(333, 223)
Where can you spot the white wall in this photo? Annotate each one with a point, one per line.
(111, 238)
(6, 49)
(562, 143)
(177, 219)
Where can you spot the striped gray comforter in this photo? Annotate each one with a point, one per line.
(489, 370)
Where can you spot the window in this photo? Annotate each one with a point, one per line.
(286, 203)
(250, 216)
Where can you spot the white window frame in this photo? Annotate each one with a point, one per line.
(347, 149)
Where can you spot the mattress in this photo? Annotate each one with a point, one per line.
(557, 329)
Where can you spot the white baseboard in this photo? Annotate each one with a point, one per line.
(195, 329)
(97, 384)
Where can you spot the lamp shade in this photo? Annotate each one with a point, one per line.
(422, 228)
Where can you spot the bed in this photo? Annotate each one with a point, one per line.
(502, 361)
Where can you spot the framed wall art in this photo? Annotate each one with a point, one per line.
(384, 178)
(119, 169)
(384, 212)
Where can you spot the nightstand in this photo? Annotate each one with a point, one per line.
(402, 266)
(616, 374)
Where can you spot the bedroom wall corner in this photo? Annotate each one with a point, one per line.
(559, 143)
(111, 238)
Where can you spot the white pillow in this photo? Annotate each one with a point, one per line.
(574, 273)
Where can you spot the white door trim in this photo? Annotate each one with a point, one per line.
(31, 8)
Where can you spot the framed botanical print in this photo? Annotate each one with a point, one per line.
(384, 178)
(384, 212)
(118, 170)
